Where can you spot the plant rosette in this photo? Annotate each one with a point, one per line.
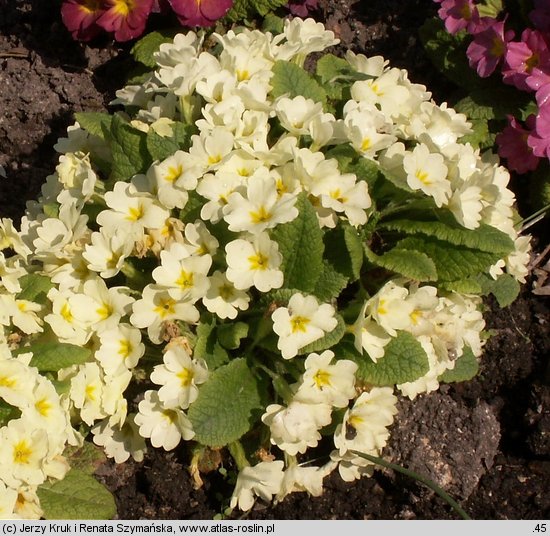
(269, 255)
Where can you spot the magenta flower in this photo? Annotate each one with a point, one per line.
(458, 15)
(522, 57)
(512, 145)
(301, 8)
(540, 16)
(125, 18)
(200, 12)
(539, 139)
(80, 17)
(488, 47)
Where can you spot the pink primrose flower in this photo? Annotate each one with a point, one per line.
(523, 56)
(512, 145)
(125, 18)
(200, 12)
(539, 81)
(80, 16)
(488, 47)
(539, 140)
(458, 15)
(540, 16)
(301, 8)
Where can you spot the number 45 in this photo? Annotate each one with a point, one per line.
(540, 527)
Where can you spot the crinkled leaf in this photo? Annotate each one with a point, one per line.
(484, 238)
(494, 104)
(330, 283)
(466, 368)
(86, 458)
(272, 23)
(144, 49)
(34, 287)
(247, 9)
(464, 286)
(96, 123)
(404, 361)
(291, 80)
(226, 406)
(53, 356)
(452, 262)
(231, 335)
(344, 251)
(490, 8)
(505, 288)
(354, 246)
(8, 412)
(301, 245)
(192, 209)
(330, 339)
(160, 147)
(480, 137)
(405, 261)
(208, 347)
(77, 496)
(129, 149)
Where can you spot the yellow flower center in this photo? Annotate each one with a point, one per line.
(104, 311)
(6, 381)
(165, 307)
(125, 348)
(299, 323)
(43, 406)
(174, 173)
(66, 313)
(365, 144)
(90, 392)
(423, 177)
(261, 216)
(22, 452)
(322, 378)
(258, 262)
(124, 7)
(135, 213)
(170, 415)
(185, 280)
(186, 377)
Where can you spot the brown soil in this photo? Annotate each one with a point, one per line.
(487, 441)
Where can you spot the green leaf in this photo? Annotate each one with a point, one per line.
(409, 262)
(53, 356)
(452, 262)
(226, 406)
(505, 288)
(330, 283)
(328, 341)
(248, 9)
(273, 24)
(291, 80)
(77, 496)
(466, 368)
(301, 245)
(129, 149)
(96, 123)
(160, 147)
(231, 335)
(494, 104)
(344, 251)
(34, 288)
(481, 137)
(208, 347)
(490, 8)
(464, 286)
(86, 458)
(354, 246)
(484, 238)
(8, 412)
(404, 361)
(144, 49)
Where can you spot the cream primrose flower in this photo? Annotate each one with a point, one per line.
(262, 208)
(75, 172)
(10, 238)
(100, 307)
(87, 388)
(23, 451)
(297, 113)
(179, 376)
(107, 252)
(120, 441)
(212, 147)
(300, 478)
(28, 504)
(120, 349)
(326, 383)
(156, 307)
(164, 426)
(227, 114)
(216, 188)
(131, 211)
(369, 336)
(364, 429)
(223, 299)
(8, 500)
(62, 320)
(21, 313)
(296, 427)
(427, 172)
(11, 271)
(302, 322)
(261, 480)
(254, 262)
(17, 381)
(174, 177)
(466, 205)
(184, 276)
(199, 240)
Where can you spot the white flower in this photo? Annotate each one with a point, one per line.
(296, 114)
(179, 377)
(157, 307)
(296, 427)
(305, 478)
(301, 323)
(262, 480)
(165, 427)
(323, 382)
(389, 308)
(8, 500)
(369, 336)
(427, 172)
(262, 208)
(62, 320)
(199, 240)
(107, 252)
(120, 348)
(254, 262)
(87, 388)
(223, 299)
(120, 442)
(23, 313)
